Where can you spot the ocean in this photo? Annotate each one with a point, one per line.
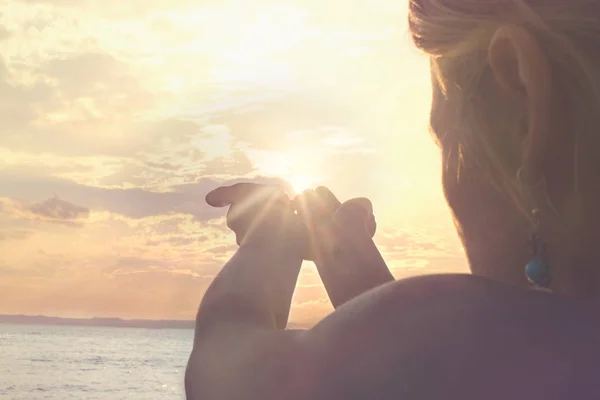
(85, 363)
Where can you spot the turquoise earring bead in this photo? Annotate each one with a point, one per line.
(538, 272)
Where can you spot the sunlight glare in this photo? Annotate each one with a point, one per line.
(301, 183)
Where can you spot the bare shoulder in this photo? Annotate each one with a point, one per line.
(450, 336)
(450, 297)
(396, 302)
(456, 336)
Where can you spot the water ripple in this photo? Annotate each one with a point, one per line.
(62, 363)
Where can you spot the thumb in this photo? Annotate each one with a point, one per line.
(359, 207)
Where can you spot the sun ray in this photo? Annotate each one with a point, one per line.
(300, 183)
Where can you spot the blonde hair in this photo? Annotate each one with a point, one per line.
(456, 34)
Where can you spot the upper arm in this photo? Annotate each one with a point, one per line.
(248, 363)
(370, 342)
(237, 360)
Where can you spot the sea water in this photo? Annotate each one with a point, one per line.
(84, 363)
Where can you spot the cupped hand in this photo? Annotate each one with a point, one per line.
(261, 215)
(329, 221)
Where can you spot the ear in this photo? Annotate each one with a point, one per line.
(520, 67)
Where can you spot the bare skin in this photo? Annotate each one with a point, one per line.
(390, 342)
(341, 235)
(440, 337)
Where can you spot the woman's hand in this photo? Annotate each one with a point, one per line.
(261, 215)
(329, 221)
(341, 244)
(254, 288)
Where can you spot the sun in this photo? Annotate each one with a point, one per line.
(299, 170)
(300, 183)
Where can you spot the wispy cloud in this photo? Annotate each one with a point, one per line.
(118, 117)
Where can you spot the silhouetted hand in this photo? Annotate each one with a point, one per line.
(329, 221)
(261, 215)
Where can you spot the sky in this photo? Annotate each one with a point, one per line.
(117, 117)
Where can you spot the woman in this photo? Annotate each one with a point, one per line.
(516, 95)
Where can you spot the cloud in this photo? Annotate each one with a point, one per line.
(38, 265)
(17, 234)
(152, 294)
(53, 2)
(60, 266)
(134, 203)
(263, 126)
(52, 210)
(4, 33)
(57, 209)
(412, 243)
(223, 249)
(119, 117)
(143, 264)
(98, 76)
(71, 104)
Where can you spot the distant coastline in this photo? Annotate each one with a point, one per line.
(107, 322)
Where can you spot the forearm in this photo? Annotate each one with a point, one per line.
(254, 288)
(351, 267)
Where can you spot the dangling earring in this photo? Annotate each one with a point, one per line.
(537, 270)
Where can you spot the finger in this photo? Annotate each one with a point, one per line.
(305, 201)
(356, 215)
(328, 197)
(311, 206)
(359, 206)
(319, 201)
(227, 195)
